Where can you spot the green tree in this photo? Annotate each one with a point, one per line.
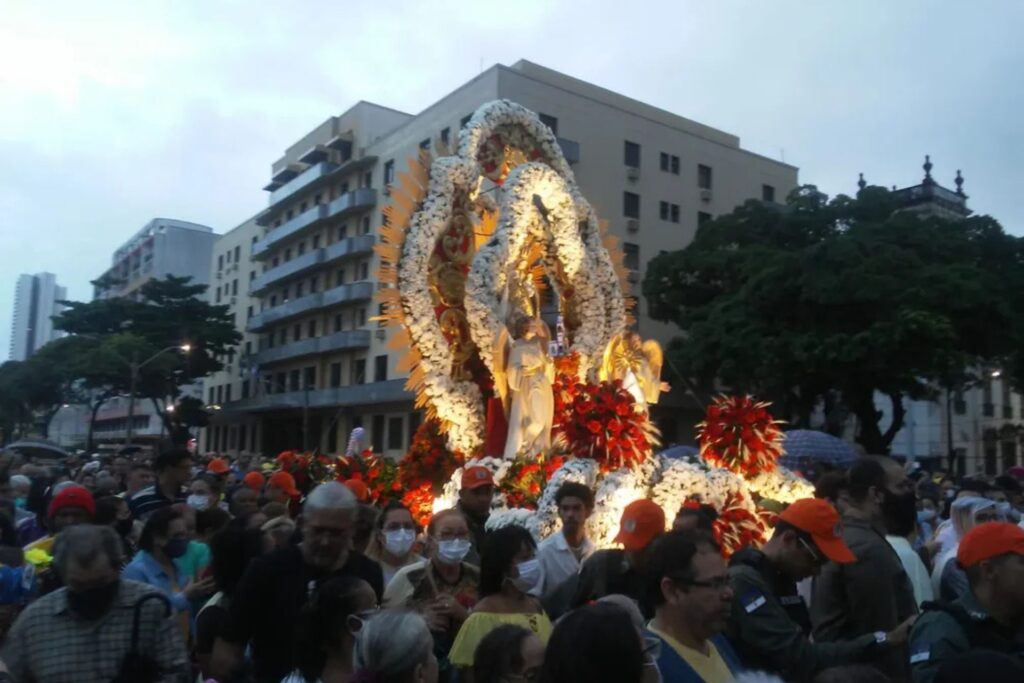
(169, 313)
(823, 303)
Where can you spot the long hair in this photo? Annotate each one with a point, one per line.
(499, 654)
(323, 623)
(499, 547)
(158, 524)
(598, 644)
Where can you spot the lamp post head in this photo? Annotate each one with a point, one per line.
(186, 347)
(996, 374)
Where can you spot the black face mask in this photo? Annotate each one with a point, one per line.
(900, 512)
(92, 603)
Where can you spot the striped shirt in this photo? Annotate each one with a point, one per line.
(149, 500)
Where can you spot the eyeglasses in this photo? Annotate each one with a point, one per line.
(813, 552)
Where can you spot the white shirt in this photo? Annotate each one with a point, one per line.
(558, 562)
(915, 569)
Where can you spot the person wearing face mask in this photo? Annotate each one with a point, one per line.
(769, 623)
(874, 593)
(393, 539)
(444, 587)
(509, 570)
(83, 631)
(165, 539)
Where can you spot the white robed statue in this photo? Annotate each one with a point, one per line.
(526, 387)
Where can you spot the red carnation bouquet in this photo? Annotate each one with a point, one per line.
(740, 435)
(526, 478)
(379, 473)
(737, 527)
(425, 468)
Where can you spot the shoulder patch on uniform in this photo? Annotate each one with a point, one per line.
(752, 600)
(791, 599)
(921, 655)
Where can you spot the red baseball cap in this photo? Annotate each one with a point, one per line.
(818, 518)
(285, 482)
(253, 480)
(358, 489)
(642, 521)
(218, 466)
(476, 476)
(989, 540)
(73, 497)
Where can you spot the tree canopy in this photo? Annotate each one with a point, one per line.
(822, 303)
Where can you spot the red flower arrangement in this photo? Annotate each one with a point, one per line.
(737, 527)
(380, 474)
(420, 501)
(428, 460)
(600, 421)
(308, 469)
(526, 479)
(740, 435)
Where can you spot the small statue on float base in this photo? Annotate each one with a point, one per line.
(637, 364)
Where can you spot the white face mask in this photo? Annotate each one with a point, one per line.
(399, 541)
(529, 575)
(453, 552)
(198, 502)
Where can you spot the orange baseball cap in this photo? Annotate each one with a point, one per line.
(358, 489)
(476, 476)
(285, 482)
(989, 540)
(642, 521)
(253, 480)
(818, 518)
(218, 466)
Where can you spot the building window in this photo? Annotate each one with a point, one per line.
(282, 336)
(311, 328)
(238, 254)
(632, 154)
(674, 213)
(293, 380)
(218, 295)
(445, 135)
(300, 289)
(287, 255)
(361, 317)
(631, 255)
(297, 332)
(211, 399)
(663, 161)
(703, 177)
(335, 375)
(630, 205)
(663, 210)
(359, 371)
(389, 172)
(339, 277)
(227, 393)
(234, 287)
(248, 313)
(302, 248)
(220, 262)
(368, 179)
(702, 218)
(464, 120)
(384, 218)
(337, 323)
(366, 225)
(342, 231)
(364, 271)
(309, 377)
(377, 434)
(425, 144)
(675, 165)
(252, 275)
(316, 241)
(242, 431)
(316, 199)
(550, 121)
(767, 193)
(275, 263)
(220, 394)
(282, 385)
(245, 389)
(314, 284)
(380, 368)
(395, 429)
(332, 439)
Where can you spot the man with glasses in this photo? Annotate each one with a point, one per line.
(769, 621)
(688, 584)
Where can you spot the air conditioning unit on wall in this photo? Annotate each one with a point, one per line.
(705, 195)
(633, 225)
(633, 173)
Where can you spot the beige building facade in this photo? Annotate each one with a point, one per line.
(318, 364)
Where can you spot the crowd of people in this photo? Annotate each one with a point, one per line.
(182, 569)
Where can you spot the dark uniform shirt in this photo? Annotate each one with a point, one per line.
(870, 595)
(477, 529)
(609, 572)
(769, 624)
(946, 630)
(150, 499)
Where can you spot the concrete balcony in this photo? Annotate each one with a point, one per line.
(351, 246)
(355, 291)
(339, 341)
(374, 393)
(310, 175)
(359, 200)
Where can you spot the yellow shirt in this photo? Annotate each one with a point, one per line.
(480, 624)
(710, 667)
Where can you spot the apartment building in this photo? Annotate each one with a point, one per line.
(36, 300)
(323, 366)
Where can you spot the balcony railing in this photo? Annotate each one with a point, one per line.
(351, 339)
(350, 246)
(363, 198)
(375, 393)
(314, 172)
(355, 291)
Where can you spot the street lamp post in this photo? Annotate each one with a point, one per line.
(136, 367)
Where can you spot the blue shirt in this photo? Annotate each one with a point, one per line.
(145, 569)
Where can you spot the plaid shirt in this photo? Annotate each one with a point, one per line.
(48, 644)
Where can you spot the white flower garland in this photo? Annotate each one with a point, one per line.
(781, 485)
(681, 479)
(615, 492)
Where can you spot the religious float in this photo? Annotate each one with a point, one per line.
(506, 294)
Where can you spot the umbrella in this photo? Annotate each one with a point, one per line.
(40, 448)
(680, 452)
(804, 446)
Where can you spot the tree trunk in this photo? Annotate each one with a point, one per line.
(898, 415)
(868, 435)
(90, 435)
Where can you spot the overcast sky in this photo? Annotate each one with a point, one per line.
(113, 113)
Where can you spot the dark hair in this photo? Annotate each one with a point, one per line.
(214, 481)
(323, 622)
(393, 505)
(572, 489)
(231, 552)
(672, 556)
(438, 517)
(598, 644)
(499, 654)
(782, 527)
(998, 667)
(830, 485)
(171, 458)
(158, 524)
(1008, 484)
(974, 486)
(140, 466)
(852, 673)
(211, 519)
(499, 547)
(974, 572)
(106, 510)
(864, 474)
(705, 514)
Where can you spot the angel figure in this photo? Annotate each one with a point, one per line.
(637, 364)
(525, 387)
